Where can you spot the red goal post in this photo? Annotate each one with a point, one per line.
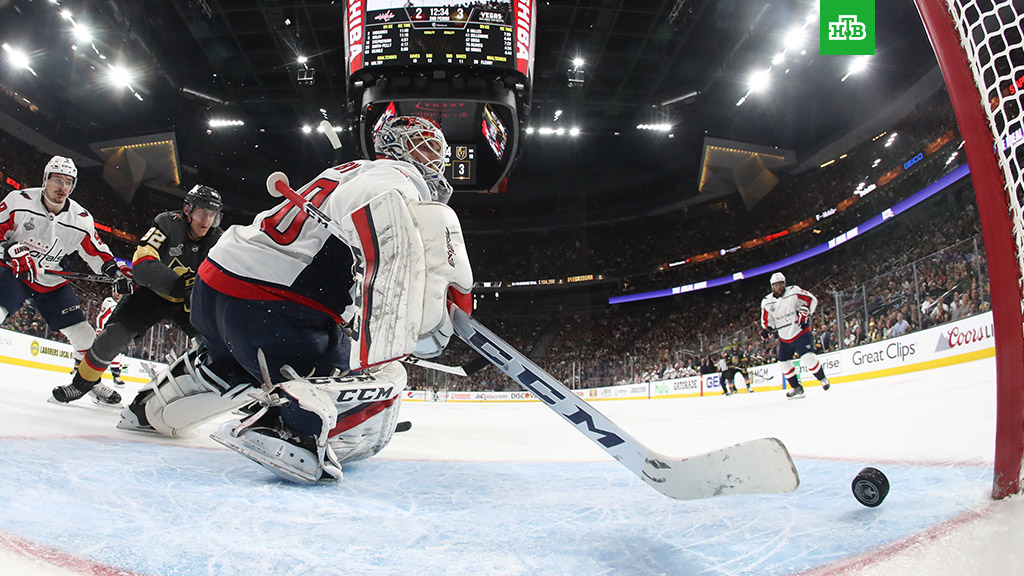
(980, 48)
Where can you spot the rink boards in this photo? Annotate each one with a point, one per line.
(964, 340)
(957, 342)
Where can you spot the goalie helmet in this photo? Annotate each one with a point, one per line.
(421, 143)
(61, 165)
(207, 198)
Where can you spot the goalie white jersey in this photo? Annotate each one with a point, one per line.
(285, 255)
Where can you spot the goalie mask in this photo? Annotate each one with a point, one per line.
(419, 142)
(61, 165)
(206, 198)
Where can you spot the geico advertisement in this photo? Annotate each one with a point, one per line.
(711, 382)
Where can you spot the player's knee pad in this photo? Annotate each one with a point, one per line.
(188, 394)
(81, 336)
(810, 361)
(368, 406)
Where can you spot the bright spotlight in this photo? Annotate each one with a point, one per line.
(16, 57)
(302, 59)
(795, 39)
(759, 80)
(66, 14)
(779, 59)
(577, 62)
(574, 132)
(120, 76)
(306, 129)
(82, 34)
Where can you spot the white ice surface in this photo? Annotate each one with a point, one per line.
(517, 488)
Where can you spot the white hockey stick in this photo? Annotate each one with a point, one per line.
(328, 129)
(467, 369)
(758, 466)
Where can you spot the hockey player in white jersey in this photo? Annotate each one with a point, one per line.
(787, 310)
(106, 309)
(39, 227)
(287, 309)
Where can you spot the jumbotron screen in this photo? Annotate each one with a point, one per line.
(497, 33)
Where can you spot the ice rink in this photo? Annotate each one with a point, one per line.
(489, 489)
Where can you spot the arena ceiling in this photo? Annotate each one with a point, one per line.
(682, 62)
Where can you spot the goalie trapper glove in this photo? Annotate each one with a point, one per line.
(19, 258)
(124, 283)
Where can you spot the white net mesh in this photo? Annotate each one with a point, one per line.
(991, 35)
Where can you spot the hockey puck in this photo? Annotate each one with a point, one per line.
(403, 426)
(870, 487)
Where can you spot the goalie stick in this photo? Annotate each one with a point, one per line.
(468, 369)
(757, 466)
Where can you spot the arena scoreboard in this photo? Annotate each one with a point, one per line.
(440, 35)
(466, 66)
(497, 34)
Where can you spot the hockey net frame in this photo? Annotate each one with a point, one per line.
(976, 43)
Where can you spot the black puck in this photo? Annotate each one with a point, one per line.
(403, 426)
(870, 487)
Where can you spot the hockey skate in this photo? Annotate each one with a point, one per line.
(100, 393)
(118, 383)
(825, 384)
(294, 459)
(796, 392)
(132, 418)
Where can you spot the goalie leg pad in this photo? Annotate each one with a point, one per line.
(187, 394)
(447, 272)
(367, 407)
(388, 279)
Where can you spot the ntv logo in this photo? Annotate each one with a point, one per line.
(847, 28)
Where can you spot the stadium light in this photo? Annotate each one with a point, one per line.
(759, 80)
(220, 123)
(120, 76)
(858, 64)
(794, 39)
(302, 59)
(17, 58)
(306, 129)
(82, 34)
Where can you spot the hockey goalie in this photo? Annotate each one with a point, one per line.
(303, 329)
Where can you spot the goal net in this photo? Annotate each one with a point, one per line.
(980, 49)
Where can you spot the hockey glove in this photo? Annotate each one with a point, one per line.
(19, 258)
(183, 288)
(124, 284)
(765, 334)
(802, 319)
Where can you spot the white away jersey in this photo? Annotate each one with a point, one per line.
(285, 255)
(106, 309)
(781, 312)
(25, 219)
